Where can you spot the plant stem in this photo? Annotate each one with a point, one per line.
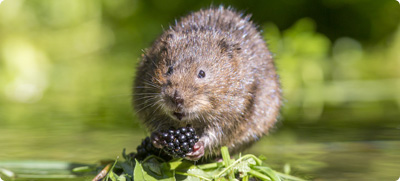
(258, 162)
(227, 160)
(210, 165)
(193, 175)
(259, 175)
(111, 169)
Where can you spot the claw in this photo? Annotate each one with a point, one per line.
(155, 140)
(197, 153)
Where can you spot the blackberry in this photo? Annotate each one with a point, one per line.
(178, 142)
(146, 149)
(175, 142)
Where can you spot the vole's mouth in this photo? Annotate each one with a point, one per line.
(179, 115)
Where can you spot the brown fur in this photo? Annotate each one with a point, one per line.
(238, 100)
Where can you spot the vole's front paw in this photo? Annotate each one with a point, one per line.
(197, 153)
(155, 140)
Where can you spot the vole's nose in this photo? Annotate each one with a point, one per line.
(178, 100)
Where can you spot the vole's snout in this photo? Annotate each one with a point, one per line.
(175, 102)
(176, 99)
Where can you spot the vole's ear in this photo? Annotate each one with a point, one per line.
(230, 49)
(160, 51)
(169, 37)
(223, 45)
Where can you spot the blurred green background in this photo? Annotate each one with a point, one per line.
(66, 69)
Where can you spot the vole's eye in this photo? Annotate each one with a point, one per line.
(201, 74)
(170, 70)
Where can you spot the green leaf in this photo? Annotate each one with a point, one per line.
(138, 173)
(122, 177)
(128, 169)
(154, 168)
(174, 164)
(269, 172)
(124, 154)
(244, 166)
(112, 176)
(151, 169)
(262, 157)
(194, 174)
(182, 165)
(259, 175)
(211, 169)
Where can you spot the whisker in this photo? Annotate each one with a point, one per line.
(121, 95)
(146, 97)
(141, 104)
(158, 107)
(147, 106)
(141, 87)
(158, 80)
(141, 109)
(152, 105)
(145, 93)
(151, 84)
(149, 59)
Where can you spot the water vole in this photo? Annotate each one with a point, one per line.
(212, 70)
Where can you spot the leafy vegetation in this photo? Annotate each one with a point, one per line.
(155, 168)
